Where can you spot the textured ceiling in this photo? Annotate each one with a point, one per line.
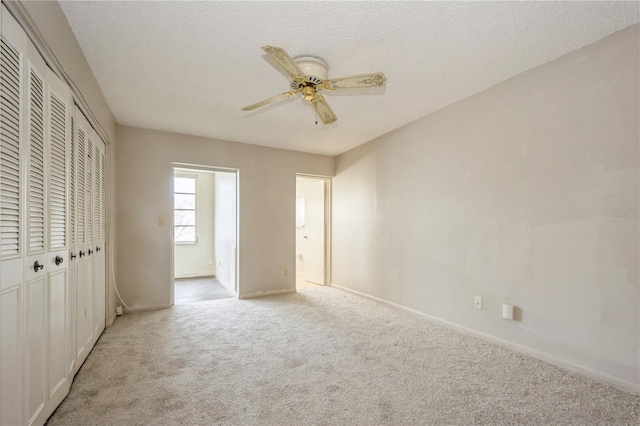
(189, 67)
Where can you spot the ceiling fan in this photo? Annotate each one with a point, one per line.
(308, 76)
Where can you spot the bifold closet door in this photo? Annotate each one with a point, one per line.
(98, 254)
(59, 356)
(84, 239)
(34, 296)
(48, 136)
(12, 158)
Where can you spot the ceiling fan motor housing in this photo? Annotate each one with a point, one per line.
(315, 69)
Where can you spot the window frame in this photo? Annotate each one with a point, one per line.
(195, 209)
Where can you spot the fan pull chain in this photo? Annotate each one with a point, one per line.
(316, 109)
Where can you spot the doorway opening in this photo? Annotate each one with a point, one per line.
(313, 221)
(204, 239)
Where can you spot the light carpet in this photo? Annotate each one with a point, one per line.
(320, 357)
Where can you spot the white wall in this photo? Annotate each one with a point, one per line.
(53, 26)
(225, 228)
(192, 260)
(300, 231)
(267, 185)
(506, 195)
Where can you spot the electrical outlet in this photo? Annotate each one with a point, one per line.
(210, 261)
(477, 302)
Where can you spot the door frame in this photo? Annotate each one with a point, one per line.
(196, 167)
(327, 222)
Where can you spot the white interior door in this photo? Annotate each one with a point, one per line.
(12, 158)
(97, 249)
(313, 238)
(59, 104)
(82, 262)
(36, 244)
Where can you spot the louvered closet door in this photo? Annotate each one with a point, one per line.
(73, 254)
(98, 255)
(36, 265)
(84, 241)
(59, 106)
(12, 157)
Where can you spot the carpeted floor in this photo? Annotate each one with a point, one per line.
(320, 357)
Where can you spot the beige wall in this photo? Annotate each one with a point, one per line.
(267, 188)
(53, 26)
(508, 195)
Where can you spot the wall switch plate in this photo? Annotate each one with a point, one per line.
(477, 302)
(286, 272)
(161, 221)
(210, 261)
(508, 311)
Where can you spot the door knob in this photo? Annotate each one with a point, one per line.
(89, 251)
(97, 248)
(37, 266)
(59, 260)
(73, 256)
(80, 253)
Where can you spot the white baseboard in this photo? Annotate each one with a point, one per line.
(111, 320)
(148, 308)
(196, 274)
(266, 293)
(534, 353)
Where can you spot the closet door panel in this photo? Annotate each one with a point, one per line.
(89, 228)
(57, 333)
(35, 259)
(98, 243)
(58, 138)
(12, 153)
(84, 231)
(36, 338)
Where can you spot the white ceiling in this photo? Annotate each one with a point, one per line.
(189, 67)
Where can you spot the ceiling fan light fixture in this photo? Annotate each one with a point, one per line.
(308, 75)
(314, 68)
(308, 92)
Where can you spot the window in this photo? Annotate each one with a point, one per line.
(184, 214)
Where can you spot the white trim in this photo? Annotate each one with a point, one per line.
(201, 274)
(534, 353)
(149, 308)
(266, 293)
(111, 319)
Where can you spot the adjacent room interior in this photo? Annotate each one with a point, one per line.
(312, 231)
(205, 234)
(379, 212)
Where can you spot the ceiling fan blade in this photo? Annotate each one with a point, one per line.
(271, 100)
(356, 81)
(324, 110)
(283, 59)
